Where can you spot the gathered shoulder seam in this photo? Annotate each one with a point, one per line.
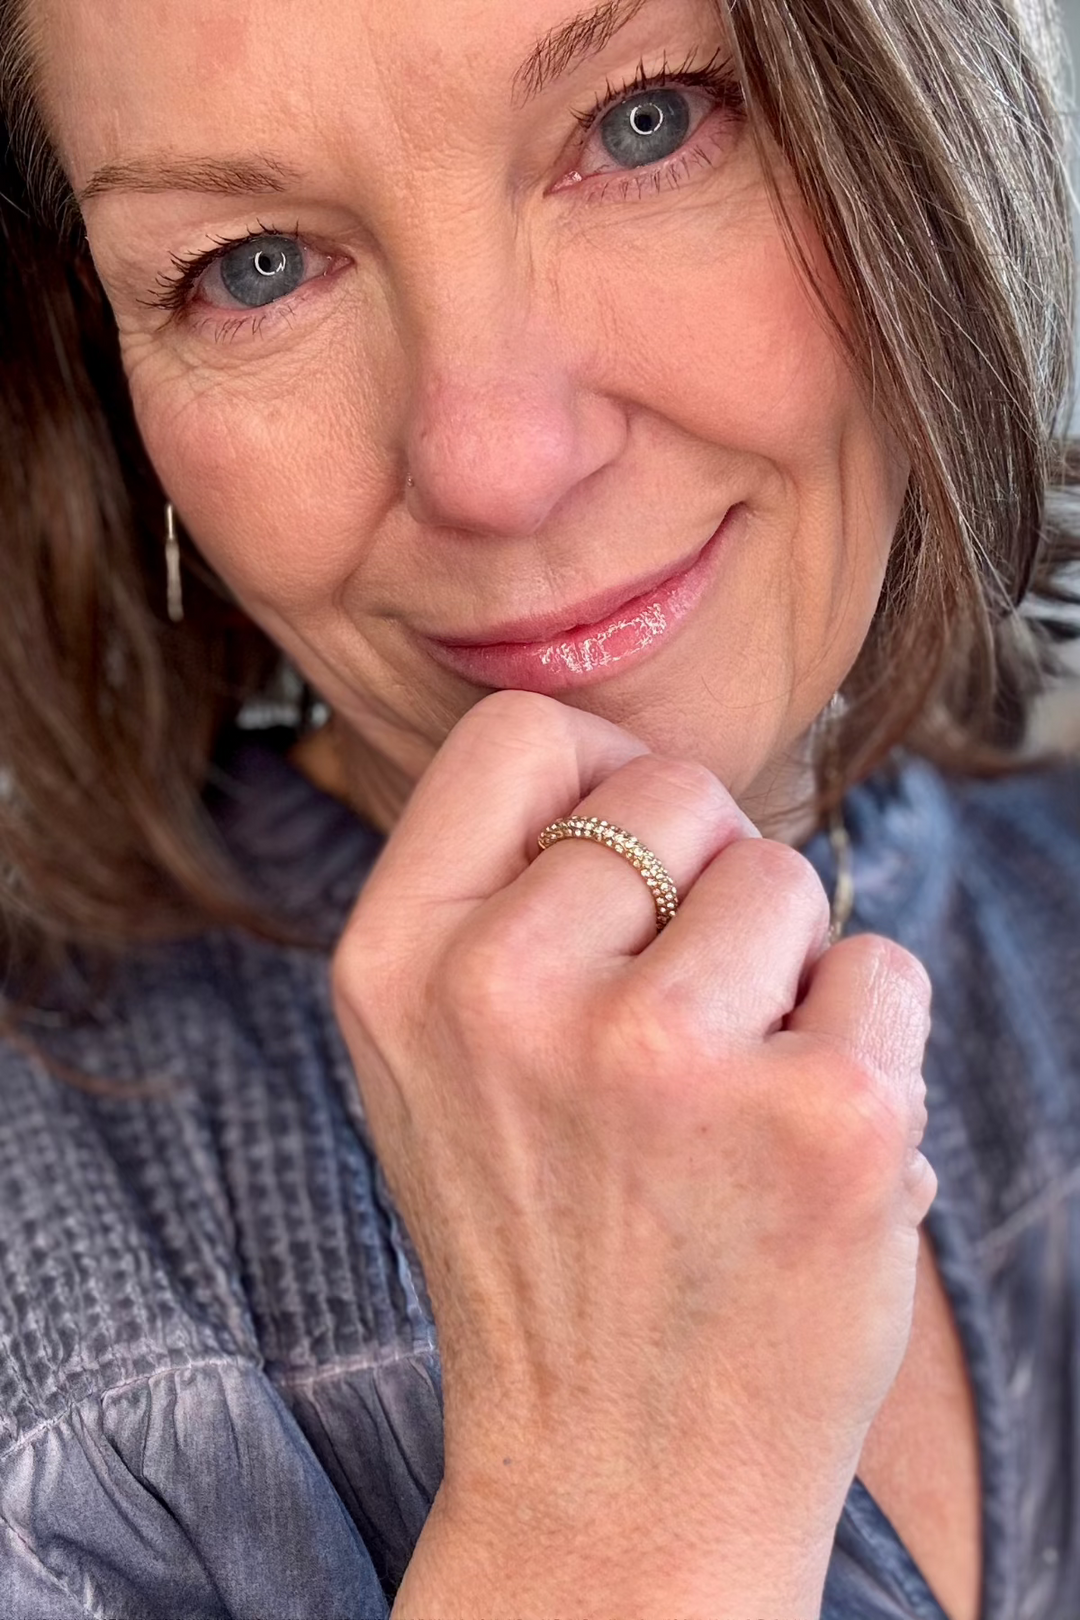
(235, 1363)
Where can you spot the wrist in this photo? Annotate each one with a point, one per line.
(514, 1552)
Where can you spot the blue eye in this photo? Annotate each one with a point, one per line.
(646, 128)
(257, 273)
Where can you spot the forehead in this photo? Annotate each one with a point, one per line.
(118, 77)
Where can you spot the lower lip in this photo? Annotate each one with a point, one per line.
(590, 652)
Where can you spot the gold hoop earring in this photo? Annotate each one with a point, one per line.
(174, 581)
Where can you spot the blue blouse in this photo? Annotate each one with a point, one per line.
(219, 1380)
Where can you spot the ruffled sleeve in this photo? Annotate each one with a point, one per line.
(188, 1494)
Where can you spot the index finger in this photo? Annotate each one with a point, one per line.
(514, 763)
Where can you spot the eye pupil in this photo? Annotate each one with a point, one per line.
(647, 127)
(259, 272)
(646, 120)
(270, 264)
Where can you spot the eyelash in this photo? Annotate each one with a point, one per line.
(715, 77)
(176, 289)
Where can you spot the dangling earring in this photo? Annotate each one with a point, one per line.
(843, 898)
(175, 584)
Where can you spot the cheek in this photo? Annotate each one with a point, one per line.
(269, 474)
(712, 326)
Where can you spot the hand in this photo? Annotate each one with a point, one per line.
(665, 1188)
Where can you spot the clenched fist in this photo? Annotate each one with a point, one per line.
(666, 1188)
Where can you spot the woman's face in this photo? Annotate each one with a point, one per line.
(488, 253)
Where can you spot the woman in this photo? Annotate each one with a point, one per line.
(636, 427)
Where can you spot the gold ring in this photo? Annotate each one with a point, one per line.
(664, 893)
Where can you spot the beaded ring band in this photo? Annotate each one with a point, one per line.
(665, 896)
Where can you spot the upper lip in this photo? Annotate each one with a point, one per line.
(543, 626)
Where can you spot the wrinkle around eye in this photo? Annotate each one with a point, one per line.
(204, 335)
(224, 321)
(137, 247)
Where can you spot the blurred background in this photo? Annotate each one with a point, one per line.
(1070, 11)
(1058, 721)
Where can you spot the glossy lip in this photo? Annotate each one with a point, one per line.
(563, 652)
(584, 615)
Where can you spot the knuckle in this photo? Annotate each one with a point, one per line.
(647, 1045)
(851, 1132)
(866, 1112)
(484, 985)
(921, 1183)
(685, 782)
(373, 987)
(477, 977)
(646, 1022)
(785, 874)
(357, 970)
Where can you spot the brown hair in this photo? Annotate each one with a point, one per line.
(923, 138)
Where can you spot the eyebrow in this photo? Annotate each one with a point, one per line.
(227, 177)
(555, 54)
(571, 43)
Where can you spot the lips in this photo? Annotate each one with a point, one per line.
(591, 613)
(573, 649)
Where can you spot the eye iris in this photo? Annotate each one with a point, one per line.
(256, 274)
(646, 128)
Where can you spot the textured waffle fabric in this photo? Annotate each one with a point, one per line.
(219, 1380)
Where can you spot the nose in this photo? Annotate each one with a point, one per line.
(502, 427)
